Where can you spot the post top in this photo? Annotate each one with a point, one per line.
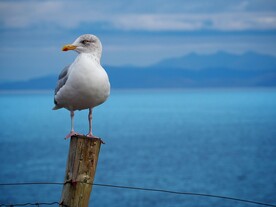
(86, 137)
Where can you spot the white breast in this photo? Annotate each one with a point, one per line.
(87, 85)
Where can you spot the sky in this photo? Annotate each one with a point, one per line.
(136, 32)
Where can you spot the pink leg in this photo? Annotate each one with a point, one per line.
(90, 134)
(72, 132)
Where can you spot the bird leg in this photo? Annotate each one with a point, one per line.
(72, 132)
(90, 125)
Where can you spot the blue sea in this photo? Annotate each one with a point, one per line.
(212, 141)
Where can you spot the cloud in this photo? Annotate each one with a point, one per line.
(191, 22)
(17, 14)
(70, 15)
(22, 14)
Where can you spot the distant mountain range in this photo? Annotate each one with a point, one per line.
(215, 70)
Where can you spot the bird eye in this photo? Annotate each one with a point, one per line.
(85, 41)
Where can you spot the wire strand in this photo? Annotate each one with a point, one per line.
(30, 204)
(133, 188)
(32, 183)
(186, 193)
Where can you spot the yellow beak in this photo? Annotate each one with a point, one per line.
(69, 47)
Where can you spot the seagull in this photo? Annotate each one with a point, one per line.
(83, 84)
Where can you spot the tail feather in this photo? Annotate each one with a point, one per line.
(56, 107)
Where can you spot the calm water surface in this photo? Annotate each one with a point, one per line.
(220, 142)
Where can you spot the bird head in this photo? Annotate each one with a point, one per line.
(86, 43)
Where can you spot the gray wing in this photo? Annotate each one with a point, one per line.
(62, 78)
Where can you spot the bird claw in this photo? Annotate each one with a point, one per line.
(72, 133)
(90, 135)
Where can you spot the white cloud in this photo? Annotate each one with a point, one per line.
(157, 22)
(33, 13)
(22, 14)
(71, 14)
(190, 22)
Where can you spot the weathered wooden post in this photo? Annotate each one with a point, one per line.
(80, 171)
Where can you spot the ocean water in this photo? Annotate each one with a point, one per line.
(213, 141)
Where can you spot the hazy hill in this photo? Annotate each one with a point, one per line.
(216, 70)
(246, 61)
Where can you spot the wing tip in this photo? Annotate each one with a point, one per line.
(55, 107)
